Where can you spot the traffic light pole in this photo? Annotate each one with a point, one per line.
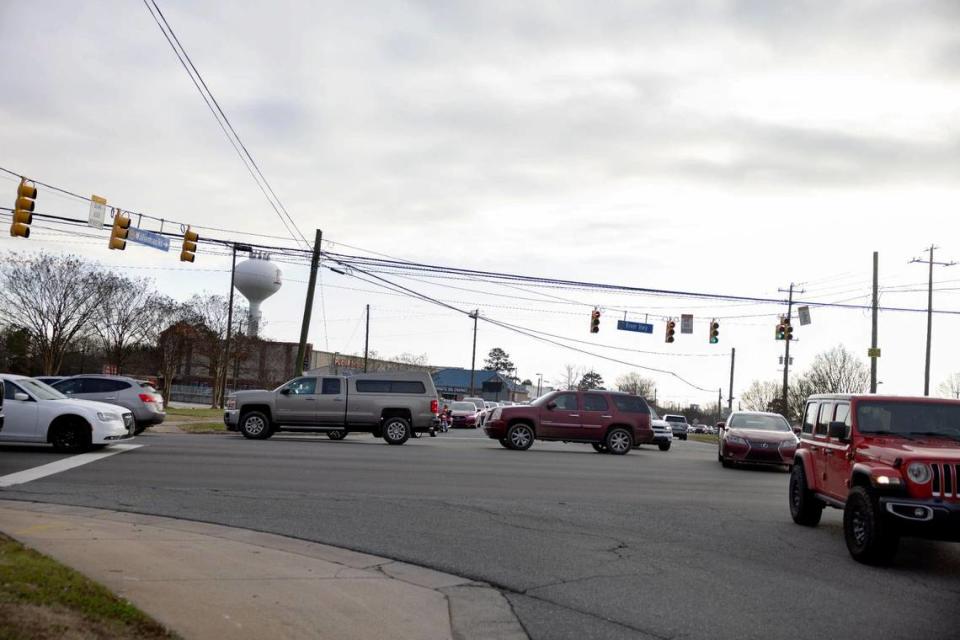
(308, 304)
(786, 358)
(226, 350)
(733, 359)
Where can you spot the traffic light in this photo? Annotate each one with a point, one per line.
(781, 329)
(190, 239)
(671, 329)
(788, 330)
(23, 210)
(118, 235)
(714, 332)
(595, 321)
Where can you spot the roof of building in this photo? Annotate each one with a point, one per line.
(457, 378)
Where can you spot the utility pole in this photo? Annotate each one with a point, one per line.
(719, 404)
(539, 383)
(931, 263)
(308, 304)
(473, 360)
(226, 350)
(786, 356)
(733, 359)
(366, 341)
(873, 332)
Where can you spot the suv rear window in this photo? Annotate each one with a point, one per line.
(630, 404)
(390, 386)
(594, 402)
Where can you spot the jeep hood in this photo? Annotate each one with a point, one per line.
(923, 448)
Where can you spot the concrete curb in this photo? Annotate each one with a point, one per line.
(208, 581)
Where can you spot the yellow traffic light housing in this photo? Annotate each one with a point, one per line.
(190, 239)
(595, 321)
(23, 210)
(788, 331)
(671, 329)
(714, 332)
(781, 330)
(118, 234)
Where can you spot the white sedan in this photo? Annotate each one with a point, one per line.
(36, 412)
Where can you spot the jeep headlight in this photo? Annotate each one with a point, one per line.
(919, 472)
(108, 417)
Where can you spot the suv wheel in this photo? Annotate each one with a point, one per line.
(664, 446)
(619, 441)
(869, 539)
(520, 437)
(336, 435)
(71, 437)
(599, 447)
(504, 442)
(805, 508)
(139, 428)
(255, 425)
(396, 430)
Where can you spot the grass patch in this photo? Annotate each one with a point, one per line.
(704, 437)
(41, 598)
(201, 427)
(192, 412)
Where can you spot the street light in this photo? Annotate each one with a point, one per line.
(226, 352)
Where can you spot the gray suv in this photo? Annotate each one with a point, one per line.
(393, 406)
(143, 401)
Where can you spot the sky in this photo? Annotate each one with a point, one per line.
(723, 147)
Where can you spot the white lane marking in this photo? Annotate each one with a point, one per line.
(63, 465)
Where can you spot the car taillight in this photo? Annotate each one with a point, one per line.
(146, 397)
(434, 406)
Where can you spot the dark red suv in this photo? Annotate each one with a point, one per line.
(891, 463)
(610, 421)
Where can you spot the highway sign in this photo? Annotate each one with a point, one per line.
(149, 238)
(804, 313)
(686, 323)
(98, 211)
(639, 327)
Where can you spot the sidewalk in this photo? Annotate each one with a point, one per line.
(211, 581)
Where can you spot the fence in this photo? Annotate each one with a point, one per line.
(200, 394)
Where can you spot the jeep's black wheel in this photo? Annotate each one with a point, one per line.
(805, 507)
(336, 435)
(664, 446)
(870, 539)
(396, 430)
(255, 425)
(71, 437)
(599, 447)
(520, 437)
(619, 441)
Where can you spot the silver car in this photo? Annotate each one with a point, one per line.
(138, 396)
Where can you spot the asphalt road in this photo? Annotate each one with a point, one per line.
(648, 545)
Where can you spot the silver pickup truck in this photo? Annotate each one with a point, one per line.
(392, 406)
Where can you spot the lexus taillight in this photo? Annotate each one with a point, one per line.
(434, 406)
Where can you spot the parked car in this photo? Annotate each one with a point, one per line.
(679, 425)
(463, 414)
(38, 413)
(890, 463)
(1, 411)
(139, 396)
(391, 406)
(611, 422)
(662, 434)
(481, 405)
(757, 437)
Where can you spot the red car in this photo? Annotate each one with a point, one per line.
(612, 422)
(463, 414)
(891, 463)
(755, 437)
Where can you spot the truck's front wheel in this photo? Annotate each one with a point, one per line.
(255, 426)
(396, 430)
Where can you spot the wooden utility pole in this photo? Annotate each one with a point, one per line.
(733, 359)
(366, 342)
(931, 263)
(873, 332)
(786, 358)
(473, 360)
(226, 350)
(308, 304)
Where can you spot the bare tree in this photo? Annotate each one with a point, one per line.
(409, 358)
(950, 388)
(173, 329)
(128, 315)
(838, 371)
(210, 332)
(568, 379)
(636, 384)
(54, 297)
(761, 395)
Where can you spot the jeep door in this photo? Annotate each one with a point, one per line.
(820, 445)
(332, 401)
(595, 416)
(836, 466)
(296, 402)
(22, 416)
(560, 418)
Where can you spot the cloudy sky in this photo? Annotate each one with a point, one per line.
(726, 147)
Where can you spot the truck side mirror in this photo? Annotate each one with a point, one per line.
(838, 431)
(285, 391)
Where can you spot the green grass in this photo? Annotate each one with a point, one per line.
(29, 580)
(194, 413)
(703, 437)
(202, 427)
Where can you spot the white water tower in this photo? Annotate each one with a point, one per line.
(257, 279)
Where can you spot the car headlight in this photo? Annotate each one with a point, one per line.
(108, 417)
(792, 442)
(919, 472)
(231, 404)
(736, 440)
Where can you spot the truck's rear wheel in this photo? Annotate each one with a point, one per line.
(255, 425)
(336, 435)
(396, 430)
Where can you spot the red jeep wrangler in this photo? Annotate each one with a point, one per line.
(891, 463)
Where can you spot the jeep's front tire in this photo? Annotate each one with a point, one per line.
(255, 425)
(396, 430)
(805, 508)
(869, 537)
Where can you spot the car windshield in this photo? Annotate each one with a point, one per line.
(463, 406)
(760, 423)
(905, 418)
(40, 390)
